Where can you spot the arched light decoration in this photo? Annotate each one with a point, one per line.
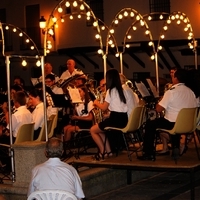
(78, 9)
(21, 34)
(178, 18)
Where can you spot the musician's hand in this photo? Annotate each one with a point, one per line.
(95, 102)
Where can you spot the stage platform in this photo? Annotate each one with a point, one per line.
(188, 163)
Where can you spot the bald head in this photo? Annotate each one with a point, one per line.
(48, 68)
(70, 65)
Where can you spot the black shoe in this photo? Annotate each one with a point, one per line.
(183, 150)
(166, 153)
(147, 157)
(175, 154)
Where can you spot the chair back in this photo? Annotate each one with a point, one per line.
(54, 119)
(135, 119)
(51, 194)
(186, 121)
(42, 135)
(25, 133)
(198, 119)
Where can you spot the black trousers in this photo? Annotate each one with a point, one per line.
(150, 134)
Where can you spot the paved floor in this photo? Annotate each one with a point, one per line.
(165, 186)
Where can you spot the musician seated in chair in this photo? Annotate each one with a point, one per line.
(36, 100)
(20, 116)
(83, 117)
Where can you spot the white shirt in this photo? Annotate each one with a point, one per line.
(57, 90)
(20, 117)
(56, 175)
(115, 104)
(56, 77)
(66, 74)
(38, 116)
(131, 98)
(177, 97)
(81, 106)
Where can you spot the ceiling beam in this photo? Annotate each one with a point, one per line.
(96, 66)
(140, 62)
(76, 60)
(164, 60)
(172, 57)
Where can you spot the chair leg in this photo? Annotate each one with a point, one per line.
(127, 148)
(195, 142)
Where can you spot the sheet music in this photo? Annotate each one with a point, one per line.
(75, 95)
(153, 88)
(35, 81)
(142, 89)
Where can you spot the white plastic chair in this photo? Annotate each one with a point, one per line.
(51, 194)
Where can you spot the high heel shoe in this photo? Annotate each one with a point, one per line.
(98, 156)
(109, 154)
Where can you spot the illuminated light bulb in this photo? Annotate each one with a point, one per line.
(112, 45)
(116, 21)
(103, 28)
(165, 28)
(150, 43)
(190, 34)
(162, 36)
(60, 10)
(186, 29)
(50, 31)
(71, 17)
(14, 29)
(117, 55)
(147, 32)
(189, 37)
(82, 7)
(32, 47)
(49, 46)
(188, 25)
(169, 21)
(24, 63)
(149, 18)
(134, 28)
(138, 17)
(177, 16)
(56, 25)
(7, 27)
(173, 17)
(100, 51)
(161, 17)
(125, 14)
(54, 19)
(129, 37)
(97, 36)
(79, 16)
(67, 4)
(191, 46)
(181, 17)
(47, 51)
(120, 16)
(38, 63)
(95, 24)
(20, 34)
(75, 4)
(132, 14)
(48, 41)
(160, 47)
(152, 57)
(178, 22)
(112, 31)
(110, 42)
(27, 40)
(62, 20)
(127, 45)
(141, 22)
(88, 18)
(88, 13)
(185, 20)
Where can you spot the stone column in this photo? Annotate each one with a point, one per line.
(26, 156)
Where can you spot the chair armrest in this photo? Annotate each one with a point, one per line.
(112, 128)
(5, 145)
